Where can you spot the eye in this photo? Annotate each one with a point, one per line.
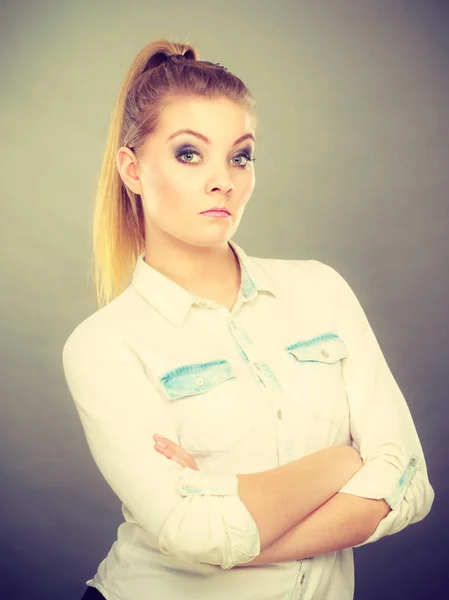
(246, 159)
(183, 154)
(186, 152)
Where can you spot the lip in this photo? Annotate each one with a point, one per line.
(217, 211)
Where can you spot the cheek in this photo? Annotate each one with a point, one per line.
(246, 191)
(178, 187)
(250, 184)
(165, 193)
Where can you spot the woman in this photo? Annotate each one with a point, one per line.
(285, 438)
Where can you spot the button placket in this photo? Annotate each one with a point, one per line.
(283, 433)
(277, 402)
(271, 386)
(243, 341)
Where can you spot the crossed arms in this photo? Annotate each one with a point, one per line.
(306, 507)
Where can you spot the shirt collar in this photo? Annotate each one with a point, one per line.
(174, 302)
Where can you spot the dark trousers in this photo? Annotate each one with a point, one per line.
(92, 594)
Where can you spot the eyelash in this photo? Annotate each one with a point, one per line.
(183, 151)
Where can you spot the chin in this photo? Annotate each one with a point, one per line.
(204, 236)
(208, 241)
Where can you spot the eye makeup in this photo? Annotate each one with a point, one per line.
(189, 149)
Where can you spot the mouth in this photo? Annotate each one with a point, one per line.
(217, 212)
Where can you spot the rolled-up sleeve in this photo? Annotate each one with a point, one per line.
(196, 517)
(382, 428)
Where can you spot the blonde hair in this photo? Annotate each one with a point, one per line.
(152, 82)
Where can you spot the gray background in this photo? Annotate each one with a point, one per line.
(352, 169)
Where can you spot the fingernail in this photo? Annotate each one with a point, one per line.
(159, 443)
(158, 435)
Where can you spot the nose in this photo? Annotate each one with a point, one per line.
(221, 180)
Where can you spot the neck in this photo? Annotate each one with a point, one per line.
(204, 271)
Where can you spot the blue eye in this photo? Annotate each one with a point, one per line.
(247, 158)
(183, 152)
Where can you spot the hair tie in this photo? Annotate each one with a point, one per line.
(183, 56)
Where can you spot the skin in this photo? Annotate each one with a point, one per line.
(188, 247)
(173, 451)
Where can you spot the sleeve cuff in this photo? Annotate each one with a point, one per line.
(193, 482)
(397, 494)
(379, 479)
(211, 525)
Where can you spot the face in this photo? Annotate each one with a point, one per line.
(181, 175)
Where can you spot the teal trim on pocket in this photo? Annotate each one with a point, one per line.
(398, 492)
(325, 348)
(196, 378)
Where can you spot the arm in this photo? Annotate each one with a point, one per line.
(281, 497)
(342, 522)
(381, 425)
(392, 489)
(197, 517)
(120, 408)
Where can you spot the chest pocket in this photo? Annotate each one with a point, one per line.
(327, 348)
(210, 414)
(320, 392)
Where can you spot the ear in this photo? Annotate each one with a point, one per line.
(128, 168)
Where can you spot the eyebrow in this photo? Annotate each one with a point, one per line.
(206, 139)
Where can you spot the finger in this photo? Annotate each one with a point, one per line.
(160, 446)
(175, 452)
(158, 436)
(164, 449)
(168, 453)
(168, 444)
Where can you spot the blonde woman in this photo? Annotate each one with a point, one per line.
(239, 407)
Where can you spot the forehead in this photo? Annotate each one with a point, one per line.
(217, 118)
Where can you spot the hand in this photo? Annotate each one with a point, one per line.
(174, 452)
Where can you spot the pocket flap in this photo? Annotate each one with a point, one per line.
(197, 378)
(326, 348)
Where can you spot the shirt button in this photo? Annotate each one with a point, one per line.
(325, 353)
(279, 414)
(199, 381)
(413, 462)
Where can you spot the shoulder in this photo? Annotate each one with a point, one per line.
(316, 289)
(306, 274)
(102, 331)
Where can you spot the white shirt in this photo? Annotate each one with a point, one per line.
(293, 368)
